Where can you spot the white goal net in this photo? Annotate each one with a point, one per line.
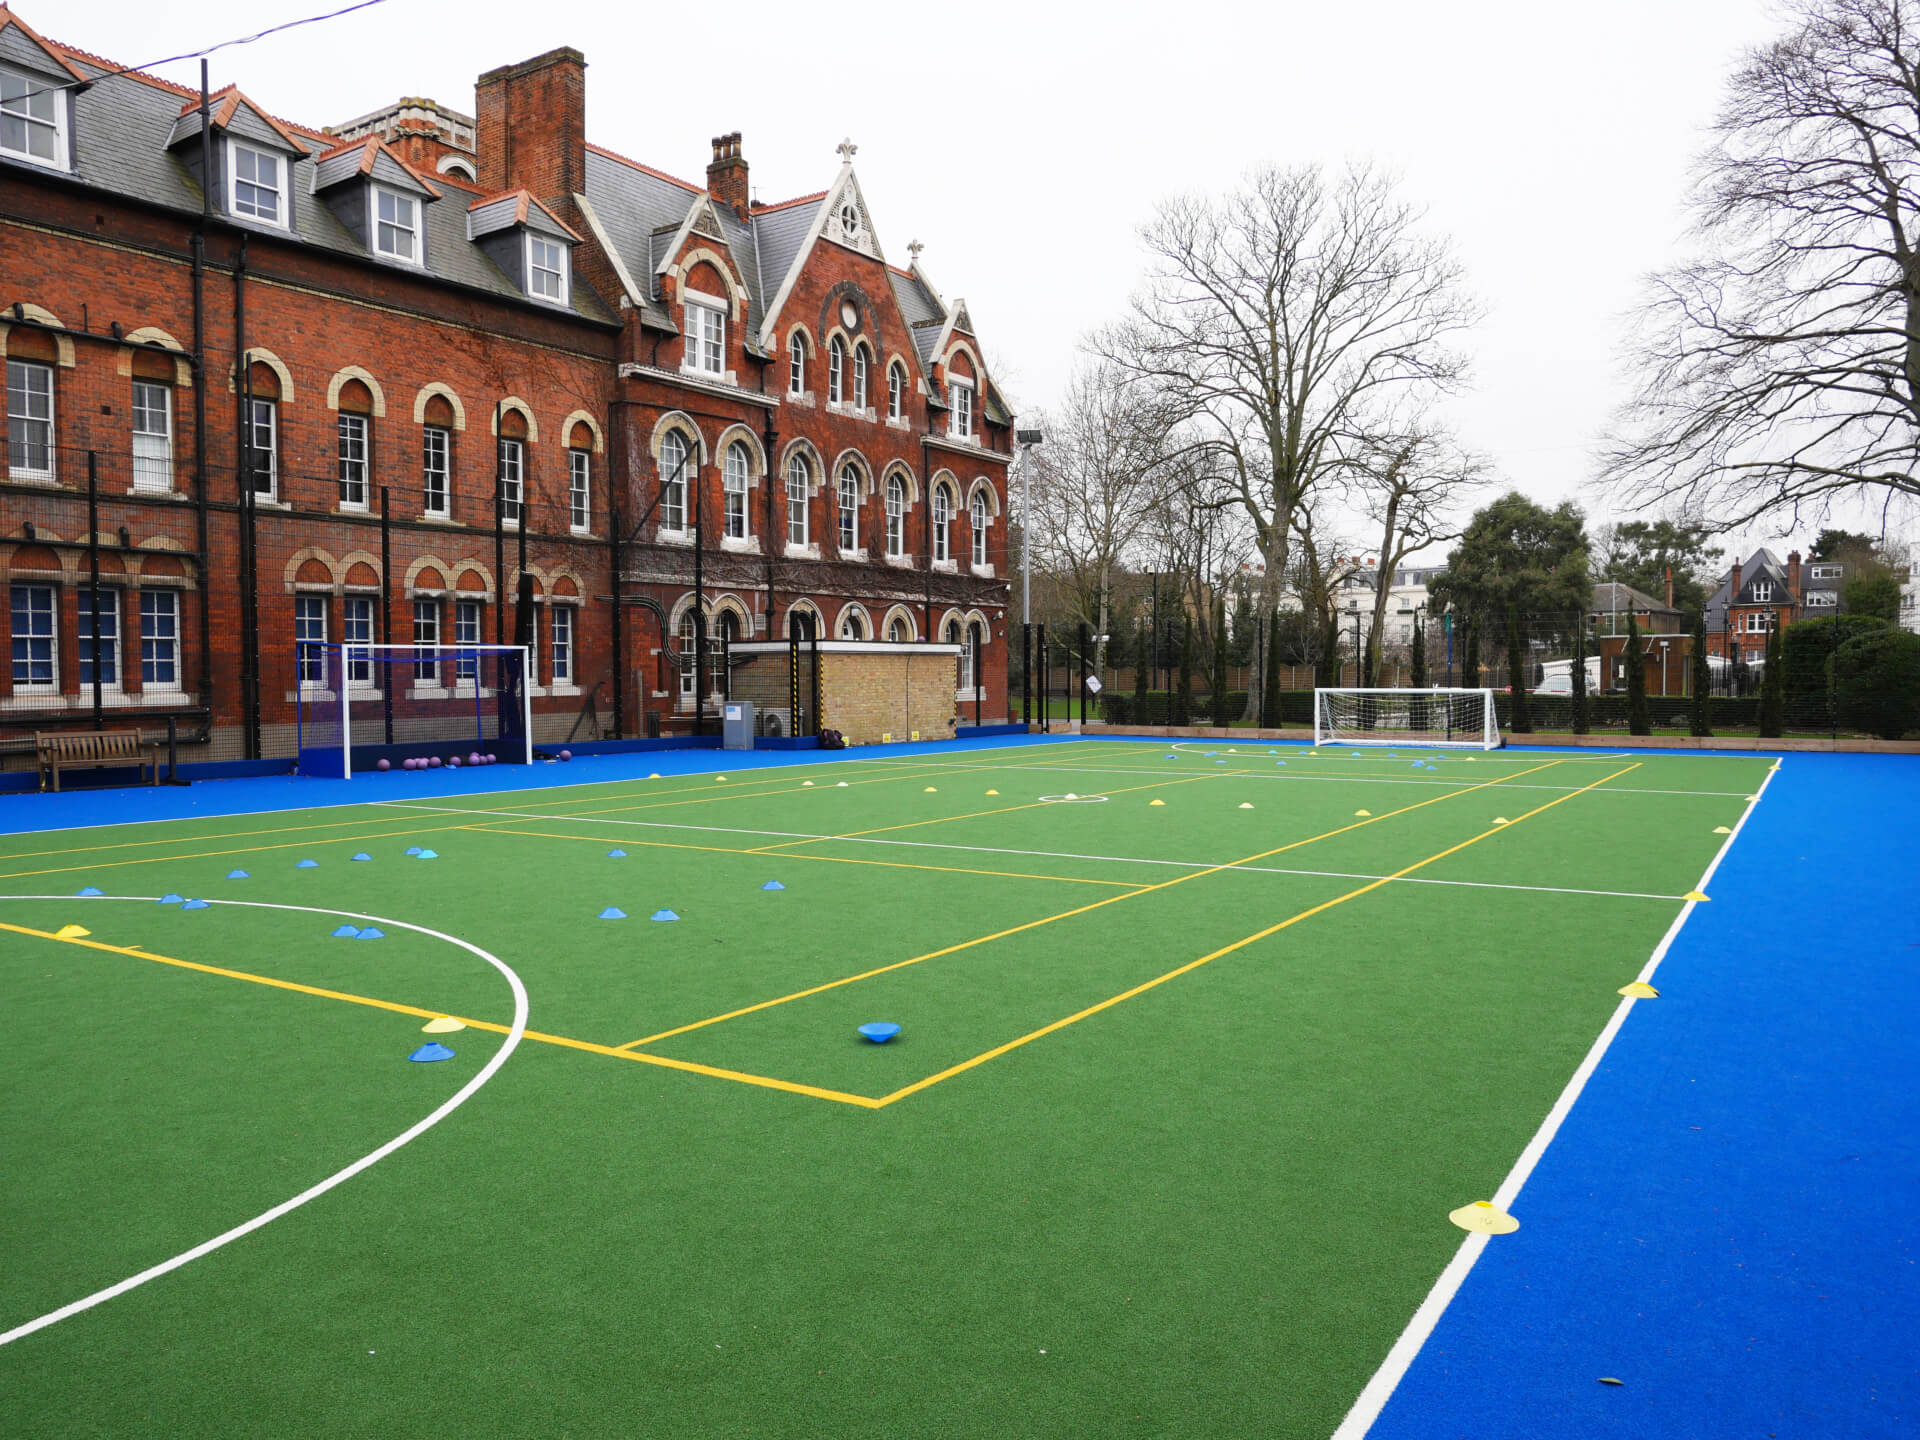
(1463, 719)
(359, 704)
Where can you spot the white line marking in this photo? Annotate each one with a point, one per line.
(1037, 854)
(1379, 1389)
(339, 1177)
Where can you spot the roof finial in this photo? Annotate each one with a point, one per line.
(914, 247)
(846, 149)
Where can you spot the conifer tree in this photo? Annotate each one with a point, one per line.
(1702, 676)
(1580, 675)
(1142, 651)
(1183, 687)
(1638, 722)
(1221, 716)
(1773, 695)
(1520, 717)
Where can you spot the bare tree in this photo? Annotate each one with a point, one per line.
(1781, 372)
(1277, 314)
(1410, 477)
(1104, 469)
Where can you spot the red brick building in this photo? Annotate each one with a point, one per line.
(673, 400)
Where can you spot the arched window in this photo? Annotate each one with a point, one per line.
(674, 464)
(689, 651)
(899, 632)
(799, 481)
(801, 624)
(852, 625)
(849, 507)
(796, 363)
(970, 661)
(728, 637)
(942, 522)
(979, 518)
(952, 634)
(896, 391)
(836, 371)
(896, 515)
(859, 377)
(734, 481)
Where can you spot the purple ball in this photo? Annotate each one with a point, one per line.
(409, 764)
(433, 763)
(566, 754)
(384, 764)
(493, 759)
(473, 758)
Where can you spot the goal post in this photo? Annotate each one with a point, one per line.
(1457, 719)
(358, 704)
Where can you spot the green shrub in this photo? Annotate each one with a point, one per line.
(1877, 683)
(1810, 647)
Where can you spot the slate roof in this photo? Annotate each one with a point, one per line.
(1609, 598)
(123, 127)
(1763, 564)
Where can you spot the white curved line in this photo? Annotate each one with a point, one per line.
(313, 1192)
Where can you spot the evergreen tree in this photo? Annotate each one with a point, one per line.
(1270, 698)
(1580, 675)
(1218, 679)
(1638, 722)
(1327, 666)
(1470, 654)
(1773, 694)
(1142, 654)
(1183, 686)
(1520, 717)
(1417, 675)
(1702, 677)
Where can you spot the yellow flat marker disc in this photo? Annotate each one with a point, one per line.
(654, 776)
(1695, 895)
(1723, 830)
(805, 783)
(1753, 797)
(1482, 1218)
(1363, 812)
(1639, 990)
(72, 932)
(1156, 802)
(930, 790)
(1611, 1380)
(1246, 805)
(445, 1025)
(993, 792)
(721, 778)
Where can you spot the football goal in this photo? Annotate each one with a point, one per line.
(1463, 719)
(356, 705)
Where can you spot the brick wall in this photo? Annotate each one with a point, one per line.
(870, 694)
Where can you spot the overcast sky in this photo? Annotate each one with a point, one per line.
(1025, 143)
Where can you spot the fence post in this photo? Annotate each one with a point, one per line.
(386, 608)
(1026, 672)
(1046, 679)
(1084, 672)
(93, 573)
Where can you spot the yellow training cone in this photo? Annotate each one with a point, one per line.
(1363, 812)
(1723, 830)
(1483, 1219)
(1244, 805)
(993, 792)
(654, 776)
(1695, 895)
(445, 1025)
(1501, 820)
(72, 932)
(1156, 802)
(1639, 990)
(805, 783)
(931, 791)
(720, 777)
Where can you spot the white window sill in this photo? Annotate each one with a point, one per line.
(580, 532)
(800, 397)
(859, 553)
(157, 492)
(437, 517)
(311, 695)
(712, 377)
(563, 689)
(673, 537)
(947, 567)
(901, 562)
(985, 572)
(743, 545)
(802, 552)
(428, 692)
(267, 502)
(898, 423)
(346, 508)
(31, 477)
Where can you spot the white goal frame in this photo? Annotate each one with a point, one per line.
(1385, 732)
(346, 650)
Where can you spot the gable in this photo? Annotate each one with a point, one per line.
(24, 50)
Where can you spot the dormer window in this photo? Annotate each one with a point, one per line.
(259, 188)
(396, 225)
(960, 411)
(706, 348)
(1762, 591)
(33, 120)
(546, 269)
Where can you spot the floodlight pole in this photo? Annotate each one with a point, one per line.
(1027, 439)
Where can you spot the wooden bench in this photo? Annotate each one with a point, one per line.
(91, 750)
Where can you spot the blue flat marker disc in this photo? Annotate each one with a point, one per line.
(879, 1031)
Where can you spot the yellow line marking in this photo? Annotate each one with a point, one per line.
(765, 1081)
(826, 859)
(1241, 944)
(1078, 910)
(240, 850)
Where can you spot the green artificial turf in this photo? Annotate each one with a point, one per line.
(1206, 1210)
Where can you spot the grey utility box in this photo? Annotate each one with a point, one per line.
(737, 728)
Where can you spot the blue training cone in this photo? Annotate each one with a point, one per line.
(413, 849)
(428, 855)
(194, 905)
(773, 885)
(664, 915)
(172, 899)
(879, 1031)
(432, 1050)
(360, 855)
(371, 933)
(90, 891)
(346, 932)
(308, 865)
(238, 875)
(613, 912)
(616, 854)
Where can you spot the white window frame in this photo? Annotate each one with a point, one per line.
(860, 368)
(836, 371)
(796, 364)
(896, 517)
(436, 471)
(960, 409)
(281, 190)
(705, 350)
(426, 632)
(579, 490)
(310, 640)
(20, 108)
(799, 488)
(1822, 600)
(942, 513)
(27, 372)
(674, 475)
(31, 633)
(380, 225)
(560, 288)
(896, 391)
(355, 446)
(160, 643)
(852, 625)
(1758, 623)
(152, 448)
(269, 410)
(357, 615)
(561, 656)
(977, 519)
(689, 636)
(848, 488)
(1825, 572)
(511, 477)
(734, 480)
(1762, 592)
(469, 625)
(85, 598)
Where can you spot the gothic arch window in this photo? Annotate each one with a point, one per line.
(836, 371)
(675, 464)
(849, 508)
(896, 391)
(734, 483)
(796, 364)
(979, 518)
(799, 483)
(942, 522)
(896, 516)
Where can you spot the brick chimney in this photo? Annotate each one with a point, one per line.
(1669, 587)
(1793, 579)
(727, 174)
(531, 128)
